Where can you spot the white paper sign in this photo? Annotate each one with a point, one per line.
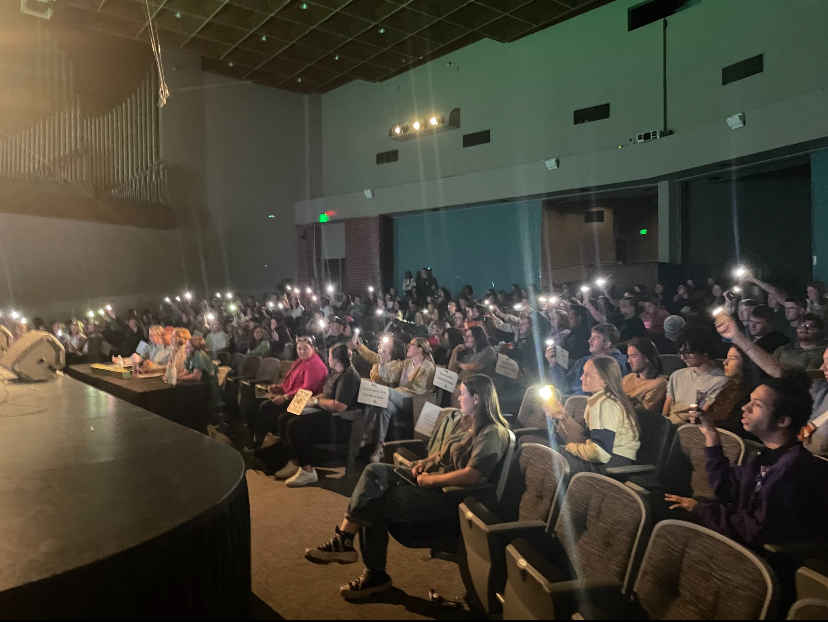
(445, 379)
(372, 394)
(562, 357)
(506, 367)
(427, 419)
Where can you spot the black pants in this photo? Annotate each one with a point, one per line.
(266, 420)
(313, 427)
(579, 465)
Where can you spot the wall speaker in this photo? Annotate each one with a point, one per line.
(5, 340)
(35, 357)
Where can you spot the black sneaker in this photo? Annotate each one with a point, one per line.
(340, 550)
(368, 584)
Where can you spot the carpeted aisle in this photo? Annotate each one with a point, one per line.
(284, 522)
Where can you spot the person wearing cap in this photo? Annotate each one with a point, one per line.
(674, 325)
(333, 332)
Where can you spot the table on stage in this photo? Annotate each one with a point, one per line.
(185, 403)
(109, 511)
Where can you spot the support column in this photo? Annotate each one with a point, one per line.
(669, 222)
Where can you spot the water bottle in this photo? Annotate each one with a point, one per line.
(173, 376)
(120, 362)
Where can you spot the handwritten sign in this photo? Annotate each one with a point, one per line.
(562, 357)
(372, 394)
(427, 419)
(445, 379)
(506, 367)
(299, 401)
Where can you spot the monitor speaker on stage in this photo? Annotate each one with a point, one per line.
(5, 340)
(35, 357)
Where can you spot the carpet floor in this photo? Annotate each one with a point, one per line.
(284, 522)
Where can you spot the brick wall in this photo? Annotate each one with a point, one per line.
(363, 246)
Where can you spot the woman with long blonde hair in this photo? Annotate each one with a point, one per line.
(386, 494)
(609, 436)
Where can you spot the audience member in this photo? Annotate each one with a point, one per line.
(217, 340)
(157, 353)
(609, 436)
(806, 352)
(317, 423)
(762, 329)
(412, 376)
(794, 310)
(726, 411)
(602, 340)
(382, 497)
(778, 495)
(198, 367)
(653, 315)
(674, 326)
(175, 363)
(645, 385)
(307, 372)
(699, 382)
(475, 357)
(628, 323)
(815, 434)
(260, 345)
(576, 341)
(816, 296)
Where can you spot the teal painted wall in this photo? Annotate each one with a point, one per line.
(819, 201)
(501, 243)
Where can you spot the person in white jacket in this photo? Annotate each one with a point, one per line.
(609, 435)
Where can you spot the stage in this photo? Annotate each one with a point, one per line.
(111, 511)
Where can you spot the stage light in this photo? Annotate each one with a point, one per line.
(434, 121)
(416, 125)
(397, 130)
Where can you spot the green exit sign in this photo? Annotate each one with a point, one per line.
(323, 217)
(643, 232)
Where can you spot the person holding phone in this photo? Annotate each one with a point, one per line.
(696, 348)
(779, 494)
(467, 456)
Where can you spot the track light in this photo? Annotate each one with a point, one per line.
(434, 121)
(398, 130)
(416, 125)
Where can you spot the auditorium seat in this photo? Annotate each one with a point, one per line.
(267, 373)
(575, 407)
(593, 550)
(809, 609)
(533, 494)
(656, 435)
(671, 363)
(692, 573)
(530, 425)
(685, 472)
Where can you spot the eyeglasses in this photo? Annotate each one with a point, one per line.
(686, 352)
(306, 340)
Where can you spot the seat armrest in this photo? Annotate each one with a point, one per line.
(626, 472)
(518, 529)
(476, 490)
(802, 549)
(521, 432)
(349, 415)
(414, 445)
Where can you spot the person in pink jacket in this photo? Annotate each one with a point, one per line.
(307, 372)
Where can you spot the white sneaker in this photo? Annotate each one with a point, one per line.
(302, 478)
(287, 471)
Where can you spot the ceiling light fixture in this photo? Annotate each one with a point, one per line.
(178, 15)
(382, 31)
(416, 125)
(298, 79)
(264, 37)
(304, 6)
(336, 57)
(434, 121)
(397, 130)
(230, 64)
